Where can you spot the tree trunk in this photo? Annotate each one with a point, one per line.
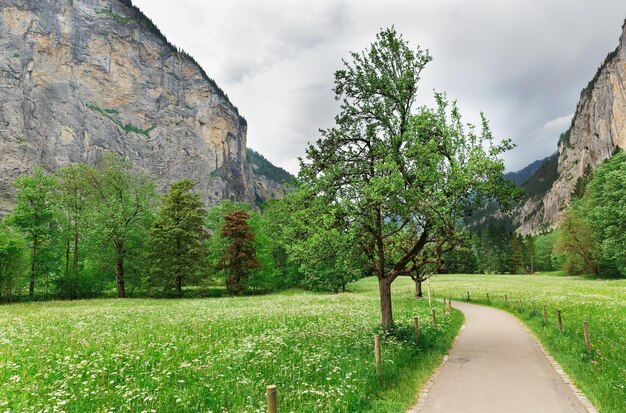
(31, 286)
(384, 287)
(119, 276)
(179, 285)
(418, 287)
(67, 258)
(75, 263)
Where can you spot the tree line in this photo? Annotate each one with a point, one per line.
(90, 231)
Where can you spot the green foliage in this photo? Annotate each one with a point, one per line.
(34, 215)
(117, 17)
(121, 214)
(71, 197)
(177, 239)
(575, 242)
(400, 180)
(127, 127)
(541, 181)
(14, 261)
(546, 260)
(606, 212)
(323, 248)
(263, 167)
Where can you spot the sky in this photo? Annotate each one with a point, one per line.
(522, 63)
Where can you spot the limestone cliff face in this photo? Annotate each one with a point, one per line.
(80, 77)
(598, 128)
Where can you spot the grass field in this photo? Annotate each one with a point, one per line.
(216, 355)
(601, 375)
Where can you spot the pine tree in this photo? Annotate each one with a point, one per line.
(240, 256)
(177, 248)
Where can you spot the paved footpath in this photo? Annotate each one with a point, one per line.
(496, 366)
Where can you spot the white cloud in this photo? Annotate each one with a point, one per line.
(522, 62)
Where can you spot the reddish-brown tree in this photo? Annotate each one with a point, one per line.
(240, 256)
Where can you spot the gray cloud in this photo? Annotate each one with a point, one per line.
(521, 62)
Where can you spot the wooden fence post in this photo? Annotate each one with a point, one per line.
(272, 405)
(545, 315)
(558, 316)
(468, 297)
(443, 310)
(587, 341)
(434, 320)
(488, 301)
(449, 305)
(506, 301)
(533, 307)
(520, 303)
(377, 355)
(416, 328)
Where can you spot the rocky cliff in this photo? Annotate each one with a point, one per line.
(597, 129)
(80, 77)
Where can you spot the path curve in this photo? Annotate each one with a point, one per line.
(496, 366)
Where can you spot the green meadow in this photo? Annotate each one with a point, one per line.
(217, 354)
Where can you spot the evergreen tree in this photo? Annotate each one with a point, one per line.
(517, 255)
(240, 255)
(177, 248)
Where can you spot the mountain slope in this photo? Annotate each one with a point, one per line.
(598, 128)
(80, 77)
(521, 176)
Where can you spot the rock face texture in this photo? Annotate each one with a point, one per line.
(81, 77)
(597, 130)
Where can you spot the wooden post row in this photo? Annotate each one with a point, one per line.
(377, 355)
(272, 405)
(586, 332)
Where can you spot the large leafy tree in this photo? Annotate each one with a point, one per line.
(71, 197)
(13, 261)
(121, 212)
(35, 214)
(240, 256)
(177, 238)
(392, 171)
(575, 241)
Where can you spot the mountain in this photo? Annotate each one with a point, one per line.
(598, 128)
(81, 77)
(521, 176)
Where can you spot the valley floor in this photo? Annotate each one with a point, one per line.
(219, 354)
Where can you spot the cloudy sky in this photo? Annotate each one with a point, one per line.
(521, 62)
